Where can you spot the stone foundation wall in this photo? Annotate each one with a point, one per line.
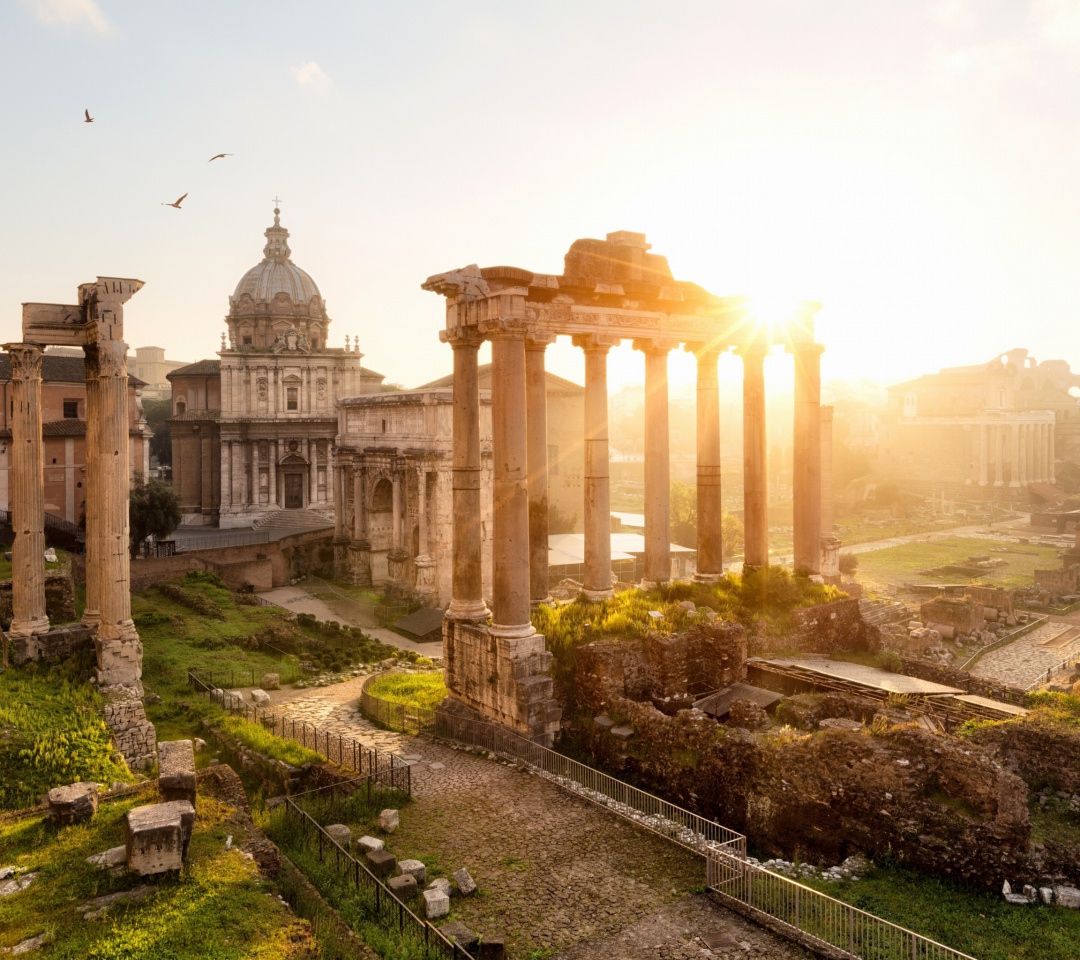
(259, 573)
(1045, 755)
(966, 615)
(930, 802)
(825, 628)
(59, 599)
(1001, 599)
(952, 677)
(1065, 580)
(57, 644)
(505, 681)
(132, 734)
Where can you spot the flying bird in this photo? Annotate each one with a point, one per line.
(176, 204)
(218, 157)
(89, 119)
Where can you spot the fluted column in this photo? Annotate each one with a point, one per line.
(999, 454)
(807, 457)
(597, 483)
(1050, 454)
(313, 471)
(710, 507)
(273, 467)
(467, 602)
(1014, 455)
(1022, 458)
(657, 463)
(397, 482)
(536, 431)
(339, 505)
(27, 494)
(92, 609)
(510, 615)
(359, 529)
(755, 480)
(982, 455)
(421, 511)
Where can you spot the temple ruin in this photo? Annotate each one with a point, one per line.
(96, 324)
(609, 290)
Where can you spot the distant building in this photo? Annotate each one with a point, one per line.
(150, 366)
(63, 428)
(253, 431)
(989, 431)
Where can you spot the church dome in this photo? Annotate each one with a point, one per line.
(277, 273)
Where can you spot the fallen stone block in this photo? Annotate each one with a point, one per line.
(623, 733)
(72, 803)
(157, 836)
(270, 681)
(436, 766)
(403, 887)
(436, 904)
(95, 908)
(441, 884)
(382, 863)
(260, 697)
(26, 946)
(460, 934)
(416, 868)
(1067, 897)
(14, 883)
(340, 834)
(113, 861)
(200, 744)
(389, 820)
(176, 770)
(364, 844)
(492, 948)
(604, 722)
(1047, 894)
(464, 881)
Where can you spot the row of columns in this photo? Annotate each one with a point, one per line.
(519, 446)
(1027, 449)
(241, 460)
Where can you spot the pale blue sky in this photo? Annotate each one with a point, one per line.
(913, 165)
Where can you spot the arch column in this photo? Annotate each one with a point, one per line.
(27, 495)
(657, 463)
(755, 481)
(597, 584)
(467, 601)
(510, 615)
(710, 543)
(536, 344)
(807, 457)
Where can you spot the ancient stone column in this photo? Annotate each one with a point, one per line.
(510, 615)
(999, 454)
(467, 602)
(423, 561)
(1022, 458)
(755, 480)
(807, 457)
(657, 464)
(982, 455)
(1050, 453)
(359, 530)
(536, 437)
(339, 511)
(313, 471)
(28, 617)
(273, 467)
(597, 484)
(1014, 455)
(710, 508)
(397, 482)
(92, 610)
(830, 544)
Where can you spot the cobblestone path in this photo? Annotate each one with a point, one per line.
(1026, 660)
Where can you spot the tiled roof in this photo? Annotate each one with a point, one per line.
(60, 370)
(200, 368)
(555, 384)
(69, 427)
(189, 415)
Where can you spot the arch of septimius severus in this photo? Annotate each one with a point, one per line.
(95, 323)
(609, 291)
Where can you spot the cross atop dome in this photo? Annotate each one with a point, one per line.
(277, 238)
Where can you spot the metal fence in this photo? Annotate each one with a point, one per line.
(820, 919)
(386, 769)
(387, 910)
(241, 538)
(234, 677)
(645, 809)
(407, 718)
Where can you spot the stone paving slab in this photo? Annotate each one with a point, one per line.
(1024, 661)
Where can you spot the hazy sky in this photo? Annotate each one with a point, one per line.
(915, 166)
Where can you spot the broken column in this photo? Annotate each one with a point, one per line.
(710, 509)
(657, 464)
(157, 836)
(27, 501)
(176, 770)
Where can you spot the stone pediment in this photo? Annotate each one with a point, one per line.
(293, 459)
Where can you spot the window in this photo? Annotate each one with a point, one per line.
(247, 341)
(384, 426)
(71, 409)
(292, 398)
(180, 406)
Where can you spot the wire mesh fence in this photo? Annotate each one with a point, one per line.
(406, 718)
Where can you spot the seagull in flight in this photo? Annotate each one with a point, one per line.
(218, 157)
(89, 119)
(176, 203)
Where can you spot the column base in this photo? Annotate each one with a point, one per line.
(91, 618)
(467, 610)
(512, 631)
(708, 577)
(549, 599)
(596, 596)
(28, 628)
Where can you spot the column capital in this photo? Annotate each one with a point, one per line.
(111, 358)
(595, 342)
(539, 340)
(754, 350)
(504, 328)
(25, 360)
(462, 338)
(806, 348)
(706, 351)
(655, 345)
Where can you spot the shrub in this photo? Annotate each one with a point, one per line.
(849, 563)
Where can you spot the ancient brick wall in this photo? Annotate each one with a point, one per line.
(825, 628)
(1044, 754)
(58, 644)
(997, 597)
(966, 615)
(259, 573)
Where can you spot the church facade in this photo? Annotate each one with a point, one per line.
(253, 431)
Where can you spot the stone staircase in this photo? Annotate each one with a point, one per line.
(298, 519)
(882, 612)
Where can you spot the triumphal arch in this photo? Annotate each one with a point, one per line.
(610, 290)
(95, 323)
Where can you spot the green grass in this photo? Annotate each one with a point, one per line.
(258, 738)
(52, 731)
(978, 923)
(908, 561)
(217, 908)
(62, 560)
(425, 690)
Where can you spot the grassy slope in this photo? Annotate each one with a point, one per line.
(218, 908)
(904, 562)
(425, 690)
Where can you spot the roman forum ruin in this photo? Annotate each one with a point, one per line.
(609, 291)
(95, 323)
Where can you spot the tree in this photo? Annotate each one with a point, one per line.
(683, 514)
(731, 529)
(157, 413)
(153, 510)
(849, 563)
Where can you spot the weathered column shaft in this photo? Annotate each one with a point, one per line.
(597, 584)
(27, 494)
(999, 454)
(982, 455)
(92, 609)
(710, 507)
(536, 438)
(657, 464)
(273, 465)
(510, 501)
(1014, 455)
(807, 458)
(339, 497)
(397, 482)
(755, 480)
(467, 602)
(1022, 459)
(359, 530)
(828, 496)
(1051, 456)
(421, 511)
